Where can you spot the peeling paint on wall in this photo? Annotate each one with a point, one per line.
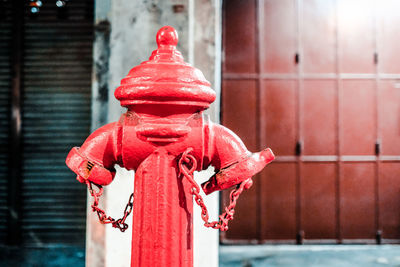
(101, 62)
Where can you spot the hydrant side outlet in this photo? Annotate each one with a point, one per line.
(164, 136)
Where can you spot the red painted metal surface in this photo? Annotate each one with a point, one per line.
(279, 116)
(388, 27)
(319, 109)
(319, 43)
(164, 137)
(389, 101)
(356, 101)
(278, 221)
(357, 203)
(389, 189)
(318, 200)
(356, 36)
(242, 25)
(332, 116)
(278, 42)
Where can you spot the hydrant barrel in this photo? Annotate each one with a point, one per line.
(164, 136)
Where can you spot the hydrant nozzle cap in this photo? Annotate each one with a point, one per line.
(167, 35)
(165, 79)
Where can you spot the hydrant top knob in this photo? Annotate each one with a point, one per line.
(167, 35)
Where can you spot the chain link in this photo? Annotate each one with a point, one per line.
(187, 165)
(103, 218)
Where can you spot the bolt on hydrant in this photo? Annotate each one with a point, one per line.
(164, 136)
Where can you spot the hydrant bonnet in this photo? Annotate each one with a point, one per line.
(165, 79)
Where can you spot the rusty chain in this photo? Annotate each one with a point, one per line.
(103, 218)
(187, 165)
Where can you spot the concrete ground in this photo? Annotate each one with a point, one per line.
(230, 256)
(57, 256)
(310, 255)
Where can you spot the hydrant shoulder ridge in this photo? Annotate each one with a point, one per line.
(164, 136)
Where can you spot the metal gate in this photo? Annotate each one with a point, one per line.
(318, 82)
(48, 102)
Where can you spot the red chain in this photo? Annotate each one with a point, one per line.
(187, 165)
(103, 218)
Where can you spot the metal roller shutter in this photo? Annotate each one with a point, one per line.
(5, 87)
(56, 107)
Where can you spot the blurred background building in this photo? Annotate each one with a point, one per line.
(318, 81)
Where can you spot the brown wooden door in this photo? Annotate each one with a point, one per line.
(319, 83)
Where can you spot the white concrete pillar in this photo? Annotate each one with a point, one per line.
(205, 54)
(125, 36)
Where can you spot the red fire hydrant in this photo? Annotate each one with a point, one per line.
(165, 137)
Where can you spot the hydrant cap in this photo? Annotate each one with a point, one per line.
(165, 78)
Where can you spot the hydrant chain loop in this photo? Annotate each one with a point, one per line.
(103, 218)
(187, 165)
